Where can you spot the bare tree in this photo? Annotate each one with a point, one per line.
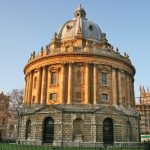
(16, 99)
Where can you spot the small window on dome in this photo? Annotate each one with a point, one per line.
(68, 27)
(90, 27)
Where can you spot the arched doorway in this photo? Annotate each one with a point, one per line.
(108, 137)
(78, 130)
(48, 131)
(129, 132)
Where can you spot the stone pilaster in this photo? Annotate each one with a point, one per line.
(114, 86)
(39, 85)
(87, 92)
(62, 84)
(70, 85)
(95, 83)
(44, 85)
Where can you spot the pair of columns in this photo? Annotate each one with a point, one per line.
(70, 84)
(117, 88)
(41, 87)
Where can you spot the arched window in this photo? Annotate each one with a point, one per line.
(28, 129)
(108, 131)
(48, 130)
(129, 132)
(78, 130)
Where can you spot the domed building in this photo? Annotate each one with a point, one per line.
(79, 90)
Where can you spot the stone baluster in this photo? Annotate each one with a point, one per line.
(95, 83)
(44, 85)
(87, 92)
(70, 85)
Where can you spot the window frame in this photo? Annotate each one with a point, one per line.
(53, 94)
(51, 77)
(102, 97)
(104, 81)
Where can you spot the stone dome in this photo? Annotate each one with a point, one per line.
(80, 25)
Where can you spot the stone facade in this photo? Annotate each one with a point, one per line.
(4, 105)
(8, 120)
(143, 107)
(79, 90)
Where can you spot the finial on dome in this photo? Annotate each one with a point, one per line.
(80, 12)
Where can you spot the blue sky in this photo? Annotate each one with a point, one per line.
(27, 25)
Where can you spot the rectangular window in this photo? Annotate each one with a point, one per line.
(53, 77)
(104, 97)
(104, 79)
(78, 95)
(52, 96)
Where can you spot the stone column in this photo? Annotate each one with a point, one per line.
(44, 85)
(119, 87)
(25, 91)
(131, 91)
(70, 84)
(87, 92)
(128, 91)
(31, 86)
(39, 85)
(62, 84)
(95, 84)
(133, 94)
(114, 86)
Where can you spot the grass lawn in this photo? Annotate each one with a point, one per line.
(35, 147)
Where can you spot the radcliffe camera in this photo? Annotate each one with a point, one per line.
(79, 92)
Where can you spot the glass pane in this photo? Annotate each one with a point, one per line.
(104, 79)
(53, 96)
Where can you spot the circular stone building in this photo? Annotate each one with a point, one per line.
(79, 90)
